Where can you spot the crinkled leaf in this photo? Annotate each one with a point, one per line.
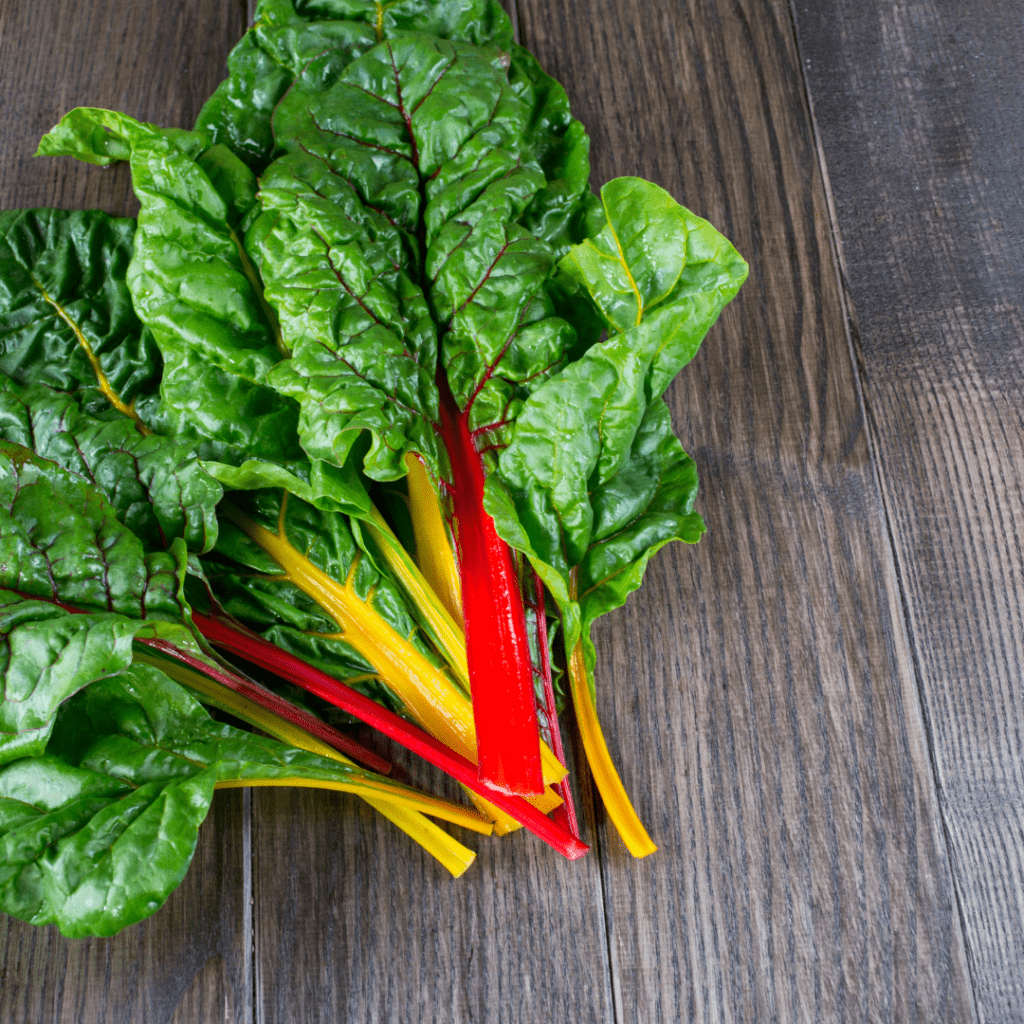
(67, 321)
(286, 35)
(154, 484)
(647, 503)
(47, 654)
(189, 277)
(473, 21)
(61, 540)
(363, 342)
(238, 113)
(91, 853)
(97, 832)
(559, 212)
(594, 482)
(66, 316)
(416, 147)
(193, 284)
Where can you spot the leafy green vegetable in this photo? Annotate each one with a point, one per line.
(420, 273)
(411, 152)
(430, 140)
(560, 211)
(194, 285)
(61, 541)
(95, 833)
(66, 316)
(48, 654)
(92, 850)
(594, 482)
(155, 484)
(286, 35)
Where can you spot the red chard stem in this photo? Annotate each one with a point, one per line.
(259, 652)
(498, 651)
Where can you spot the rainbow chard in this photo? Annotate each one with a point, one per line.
(93, 620)
(401, 295)
(155, 485)
(421, 278)
(415, 308)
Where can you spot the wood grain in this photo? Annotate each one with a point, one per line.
(920, 110)
(155, 61)
(759, 688)
(191, 962)
(355, 923)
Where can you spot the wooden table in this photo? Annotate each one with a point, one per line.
(819, 708)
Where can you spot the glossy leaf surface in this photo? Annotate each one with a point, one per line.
(60, 540)
(287, 34)
(594, 481)
(410, 160)
(96, 832)
(154, 484)
(192, 282)
(66, 316)
(48, 654)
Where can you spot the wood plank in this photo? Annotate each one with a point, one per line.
(758, 691)
(355, 923)
(157, 62)
(919, 108)
(187, 963)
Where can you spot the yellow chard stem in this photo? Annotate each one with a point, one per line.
(450, 852)
(407, 814)
(434, 553)
(609, 785)
(379, 789)
(442, 627)
(429, 696)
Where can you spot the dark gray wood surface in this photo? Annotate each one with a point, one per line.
(818, 708)
(920, 114)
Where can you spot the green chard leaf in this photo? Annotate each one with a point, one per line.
(60, 540)
(416, 157)
(190, 279)
(594, 482)
(194, 285)
(66, 317)
(410, 161)
(559, 212)
(48, 654)
(96, 832)
(287, 34)
(647, 253)
(155, 485)
(237, 115)
(391, 220)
